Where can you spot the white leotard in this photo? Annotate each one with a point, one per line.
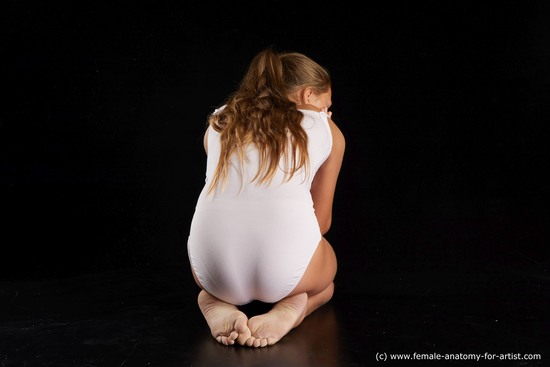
(251, 241)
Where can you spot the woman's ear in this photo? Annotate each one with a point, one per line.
(306, 95)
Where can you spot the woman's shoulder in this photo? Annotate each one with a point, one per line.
(338, 139)
(313, 113)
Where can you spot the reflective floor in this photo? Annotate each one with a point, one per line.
(146, 318)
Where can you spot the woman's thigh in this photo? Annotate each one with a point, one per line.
(320, 272)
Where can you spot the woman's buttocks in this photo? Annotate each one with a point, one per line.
(268, 241)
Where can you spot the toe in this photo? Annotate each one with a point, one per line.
(241, 325)
(225, 340)
(243, 335)
(233, 336)
(242, 339)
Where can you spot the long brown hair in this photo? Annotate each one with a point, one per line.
(260, 112)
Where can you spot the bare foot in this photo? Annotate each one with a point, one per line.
(269, 328)
(227, 324)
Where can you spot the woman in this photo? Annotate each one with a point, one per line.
(273, 159)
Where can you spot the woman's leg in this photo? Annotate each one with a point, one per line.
(318, 280)
(227, 323)
(314, 290)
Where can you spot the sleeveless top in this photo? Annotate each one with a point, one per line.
(239, 186)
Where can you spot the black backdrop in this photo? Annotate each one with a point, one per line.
(444, 107)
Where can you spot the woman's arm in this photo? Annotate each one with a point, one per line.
(324, 183)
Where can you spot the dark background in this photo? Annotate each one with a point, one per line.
(444, 108)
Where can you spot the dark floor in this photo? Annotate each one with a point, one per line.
(146, 318)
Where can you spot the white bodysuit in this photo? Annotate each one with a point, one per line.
(254, 242)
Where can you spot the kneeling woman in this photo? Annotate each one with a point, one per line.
(273, 159)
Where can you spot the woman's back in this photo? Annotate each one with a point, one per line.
(240, 185)
(252, 241)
